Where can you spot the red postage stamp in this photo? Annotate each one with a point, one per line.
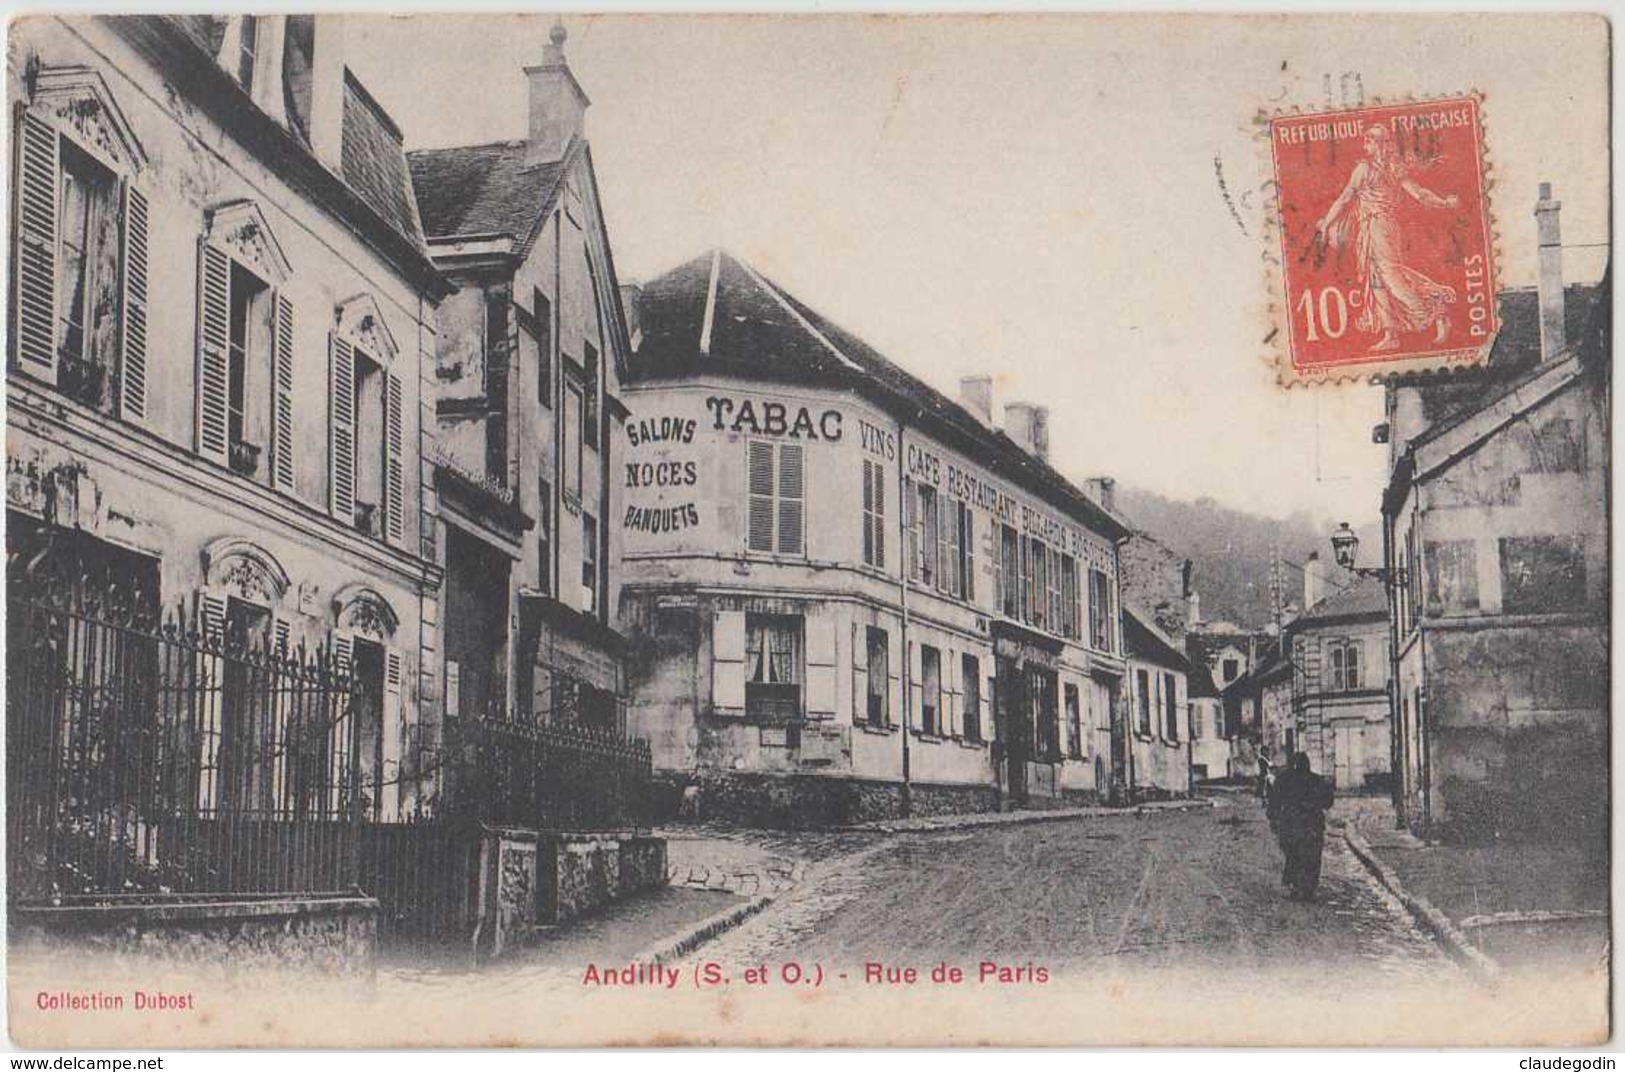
(1387, 255)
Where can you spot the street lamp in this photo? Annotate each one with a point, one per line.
(1345, 549)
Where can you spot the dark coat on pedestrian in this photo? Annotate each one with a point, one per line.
(1297, 813)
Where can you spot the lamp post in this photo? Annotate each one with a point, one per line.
(1345, 550)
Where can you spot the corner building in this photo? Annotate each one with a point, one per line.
(846, 596)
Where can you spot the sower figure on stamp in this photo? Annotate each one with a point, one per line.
(1394, 296)
(1297, 813)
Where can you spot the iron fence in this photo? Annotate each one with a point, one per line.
(171, 754)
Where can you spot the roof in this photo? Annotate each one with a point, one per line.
(1514, 356)
(1199, 682)
(482, 189)
(372, 195)
(1365, 598)
(1144, 640)
(741, 324)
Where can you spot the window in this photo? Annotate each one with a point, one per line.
(1142, 681)
(1452, 576)
(965, 551)
(250, 342)
(1100, 610)
(247, 47)
(1542, 574)
(952, 580)
(874, 514)
(878, 709)
(1038, 582)
(544, 536)
(367, 391)
(1074, 723)
(589, 563)
(544, 349)
(589, 422)
(366, 434)
(1071, 612)
(1170, 708)
(928, 529)
(1010, 586)
(1194, 720)
(1343, 665)
(1056, 616)
(930, 690)
(572, 441)
(500, 326)
(1046, 714)
(1231, 670)
(777, 498)
(970, 682)
(87, 299)
(772, 667)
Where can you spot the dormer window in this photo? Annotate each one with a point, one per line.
(247, 46)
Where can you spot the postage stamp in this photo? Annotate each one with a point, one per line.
(1386, 245)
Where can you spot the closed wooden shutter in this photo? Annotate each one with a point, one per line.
(916, 687)
(792, 492)
(911, 534)
(213, 359)
(394, 461)
(37, 180)
(393, 717)
(132, 401)
(894, 691)
(341, 726)
(209, 688)
(282, 396)
(760, 535)
(820, 667)
(860, 673)
(728, 663)
(341, 429)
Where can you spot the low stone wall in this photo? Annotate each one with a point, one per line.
(581, 873)
(334, 935)
(812, 801)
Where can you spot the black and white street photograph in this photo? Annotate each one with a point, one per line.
(539, 530)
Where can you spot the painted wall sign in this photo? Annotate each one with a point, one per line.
(669, 438)
(660, 430)
(659, 520)
(764, 417)
(877, 441)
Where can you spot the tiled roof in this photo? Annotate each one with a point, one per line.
(759, 331)
(1199, 682)
(482, 189)
(374, 162)
(1366, 597)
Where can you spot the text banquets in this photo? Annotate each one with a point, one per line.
(705, 975)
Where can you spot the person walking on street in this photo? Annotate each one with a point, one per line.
(1264, 775)
(1297, 813)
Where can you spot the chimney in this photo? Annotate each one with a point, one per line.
(558, 106)
(631, 294)
(1196, 608)
(1102, 489)
(1314, 580)
(327, 92)
(1028, 425)
(1549, 241)
(976, 395)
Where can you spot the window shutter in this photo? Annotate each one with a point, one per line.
(944, 549)
(820, 667)
(911, 511)
(760, 536)
(969, 538)
(880, 514)
(37, 180)
(868, 512)
(282, 636)
(342, 650)
(393, 718)
(860, 673)
(728, 662)
(282, 395)
(792, 492)
(951, 709)
(916, 688)
(341, 724)
(894, 657)
(213, 361)
(209, 683)
(132, 404)
(394, 461)
(341, 429)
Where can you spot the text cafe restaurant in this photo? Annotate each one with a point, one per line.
(821, 550)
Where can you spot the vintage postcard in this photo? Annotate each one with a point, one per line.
(792, 530)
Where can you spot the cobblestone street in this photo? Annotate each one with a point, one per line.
(1189, 890)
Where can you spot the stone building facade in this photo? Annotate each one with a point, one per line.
(221, 304)
(847, 595)
(1159, 711)
(530, 345)
(1340, 662)
(1496, 514)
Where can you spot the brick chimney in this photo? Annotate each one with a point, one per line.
(1549, 241)
(327, 92)
(1028, 424)
(558, 105)
(976, 395)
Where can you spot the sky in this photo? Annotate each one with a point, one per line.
(1070, 203)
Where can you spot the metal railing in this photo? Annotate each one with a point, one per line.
(148, 756)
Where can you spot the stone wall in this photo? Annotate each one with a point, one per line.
(585, 872)
(333, 935)
(801, 802)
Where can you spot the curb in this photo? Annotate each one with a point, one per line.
(1423, 910)
(976, 820)
(680, 945)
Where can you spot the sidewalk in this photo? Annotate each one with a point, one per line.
(1521, 905)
